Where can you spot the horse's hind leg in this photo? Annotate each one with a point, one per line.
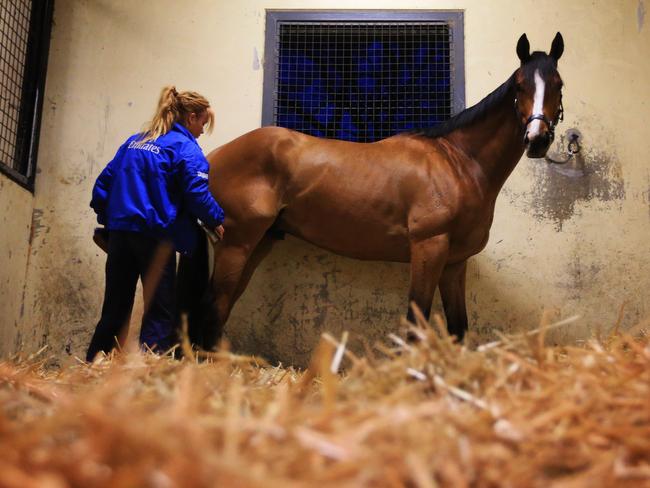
(452, 292)
(259, 253)
(234, 265)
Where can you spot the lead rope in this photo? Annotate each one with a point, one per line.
(573, 148)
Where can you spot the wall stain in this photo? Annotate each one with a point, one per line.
(37, 227)
(34, 230)
(18, 339)
(79, 172)
(256, 60)
(22, 299)
(640, 15)
(646, 195)
(52, 103)
(64, 325)
(103, 129)
(276, 308)
(579, 277)
(374, 311)
(556, 189)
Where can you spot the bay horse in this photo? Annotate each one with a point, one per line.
(425, 197)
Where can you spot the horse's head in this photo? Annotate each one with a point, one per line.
(539, 94)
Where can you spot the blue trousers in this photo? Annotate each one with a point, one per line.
(133, 255)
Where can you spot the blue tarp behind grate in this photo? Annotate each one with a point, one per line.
(363, 82)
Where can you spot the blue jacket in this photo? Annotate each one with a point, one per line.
(159, 188)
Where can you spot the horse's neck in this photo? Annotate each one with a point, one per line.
(495, 142)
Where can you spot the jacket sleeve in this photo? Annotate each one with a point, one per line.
(103, 185)
(196, 194)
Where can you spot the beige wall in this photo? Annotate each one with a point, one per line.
(573, 245)
(15, 201)
(15, 222)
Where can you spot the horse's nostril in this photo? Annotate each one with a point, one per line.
(526, 140)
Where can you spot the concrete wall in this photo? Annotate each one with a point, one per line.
(15, 222)
(568, 244)
(15, 201)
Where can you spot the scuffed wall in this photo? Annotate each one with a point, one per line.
(15, 225)
(572, 244)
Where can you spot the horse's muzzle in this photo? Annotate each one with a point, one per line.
(537, 147)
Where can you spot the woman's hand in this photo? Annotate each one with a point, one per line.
(219, 232)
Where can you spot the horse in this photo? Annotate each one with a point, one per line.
(424, 197)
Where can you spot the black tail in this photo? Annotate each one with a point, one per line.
(195, 297)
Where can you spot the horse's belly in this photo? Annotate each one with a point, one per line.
(349, 236)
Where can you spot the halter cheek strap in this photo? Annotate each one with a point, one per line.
(549, 123)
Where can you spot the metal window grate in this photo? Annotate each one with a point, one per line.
(362, 81)
(24, 38)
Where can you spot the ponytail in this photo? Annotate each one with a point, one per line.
(175, 107)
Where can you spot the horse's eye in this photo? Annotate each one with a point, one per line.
(557, 82)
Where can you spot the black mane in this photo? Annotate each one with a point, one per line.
(538, 60)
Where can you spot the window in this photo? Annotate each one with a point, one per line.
(24, 42)
(362, 76)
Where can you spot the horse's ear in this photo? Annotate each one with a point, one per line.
(557, 48)
(523, 49)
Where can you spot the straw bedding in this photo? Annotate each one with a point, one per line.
(512, 413)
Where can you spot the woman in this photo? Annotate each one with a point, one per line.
(149, 198)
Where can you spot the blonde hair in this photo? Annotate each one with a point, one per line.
(175, 107)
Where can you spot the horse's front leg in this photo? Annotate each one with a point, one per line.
(452, 292)
(428, 257)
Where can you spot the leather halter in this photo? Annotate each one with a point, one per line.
(551, 124)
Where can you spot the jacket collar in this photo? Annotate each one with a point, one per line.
(183, 130)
